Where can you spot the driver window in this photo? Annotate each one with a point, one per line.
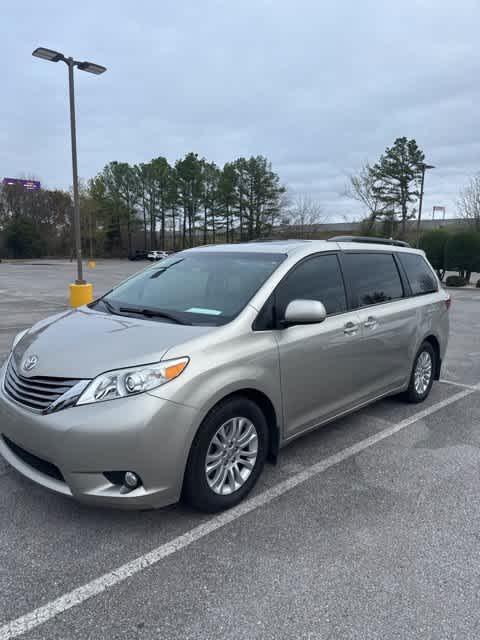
(317, 278)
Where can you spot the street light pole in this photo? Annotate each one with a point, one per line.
(423, 167)
(81, 292)
(76, 202)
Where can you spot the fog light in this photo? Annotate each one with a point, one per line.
(131, 479)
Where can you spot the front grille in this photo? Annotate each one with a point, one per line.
(47, 468)
(36, 393)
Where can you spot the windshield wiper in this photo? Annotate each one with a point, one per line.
(152, 313)
(108, 305)
(163, 269)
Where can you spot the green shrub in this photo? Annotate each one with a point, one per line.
(455, 281)
(462, 253)
(433, 243)
(22, 239)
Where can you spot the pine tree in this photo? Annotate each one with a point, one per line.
(259, 196)
(397, 177)
(227, 198)
(189, 174)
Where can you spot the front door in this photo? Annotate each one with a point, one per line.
(320, 364)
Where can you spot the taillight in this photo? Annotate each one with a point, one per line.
(448, 302)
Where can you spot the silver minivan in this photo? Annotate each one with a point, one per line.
(184, 379)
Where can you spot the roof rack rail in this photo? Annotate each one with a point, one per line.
(369, 240)
(277, 240)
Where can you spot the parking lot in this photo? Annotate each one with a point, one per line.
(368, 528)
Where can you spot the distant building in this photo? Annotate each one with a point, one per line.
(311, 229)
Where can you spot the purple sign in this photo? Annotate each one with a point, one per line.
(29, 185)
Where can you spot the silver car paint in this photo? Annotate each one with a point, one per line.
(87, 343)
(320, 369)
(309, 373)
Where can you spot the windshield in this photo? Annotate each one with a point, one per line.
(195, 288)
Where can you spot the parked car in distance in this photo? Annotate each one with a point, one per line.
(184, 379)
(157, 255)
(139, 254)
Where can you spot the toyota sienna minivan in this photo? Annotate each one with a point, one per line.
(184, 379)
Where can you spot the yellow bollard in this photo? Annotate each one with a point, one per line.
(91, 264)
(81, 294)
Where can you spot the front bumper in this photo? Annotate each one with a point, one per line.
(144, 434)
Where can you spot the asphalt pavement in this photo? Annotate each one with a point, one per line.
(368, 528)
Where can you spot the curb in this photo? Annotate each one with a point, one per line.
(464, 288)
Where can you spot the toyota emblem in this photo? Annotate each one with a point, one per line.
(30, 363)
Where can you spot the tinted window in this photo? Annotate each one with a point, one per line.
(317, 278)
(373, 278)
(419, 275)
(199, 287)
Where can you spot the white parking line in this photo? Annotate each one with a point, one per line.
(48, 611)
(473, 387)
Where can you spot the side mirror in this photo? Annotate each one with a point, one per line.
(305, 312)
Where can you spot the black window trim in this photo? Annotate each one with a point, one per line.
(272, 296)
(407, 289)
(352, 297)
(349, 295)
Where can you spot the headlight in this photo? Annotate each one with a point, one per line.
(18, 337)
(129, 382)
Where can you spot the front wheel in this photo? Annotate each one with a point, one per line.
(421, 379)
(227, 455)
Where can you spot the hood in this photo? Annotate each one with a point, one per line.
(84, 343)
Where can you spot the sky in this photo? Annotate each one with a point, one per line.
(319, 87)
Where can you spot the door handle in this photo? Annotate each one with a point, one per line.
(370, 322)
(350, 328)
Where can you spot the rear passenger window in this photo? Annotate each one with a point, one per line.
(373, 278)
(318, 278)
(419, 275)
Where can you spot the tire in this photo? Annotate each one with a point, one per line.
(235, 416)
(418, 391)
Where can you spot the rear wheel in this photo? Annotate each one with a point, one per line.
(421, 379)
(227, 455)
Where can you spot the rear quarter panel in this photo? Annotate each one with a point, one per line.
(432, 319)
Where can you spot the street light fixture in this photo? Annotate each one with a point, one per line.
(423, 166)
(47, 54)
(91, 67)
(83, 293)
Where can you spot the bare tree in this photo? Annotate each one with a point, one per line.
(362, 189)
(469, 202)
(303, 213)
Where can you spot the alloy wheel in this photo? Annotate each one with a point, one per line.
(231, 455)
(423, 372)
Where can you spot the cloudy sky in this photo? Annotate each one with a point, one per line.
(316, 86)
